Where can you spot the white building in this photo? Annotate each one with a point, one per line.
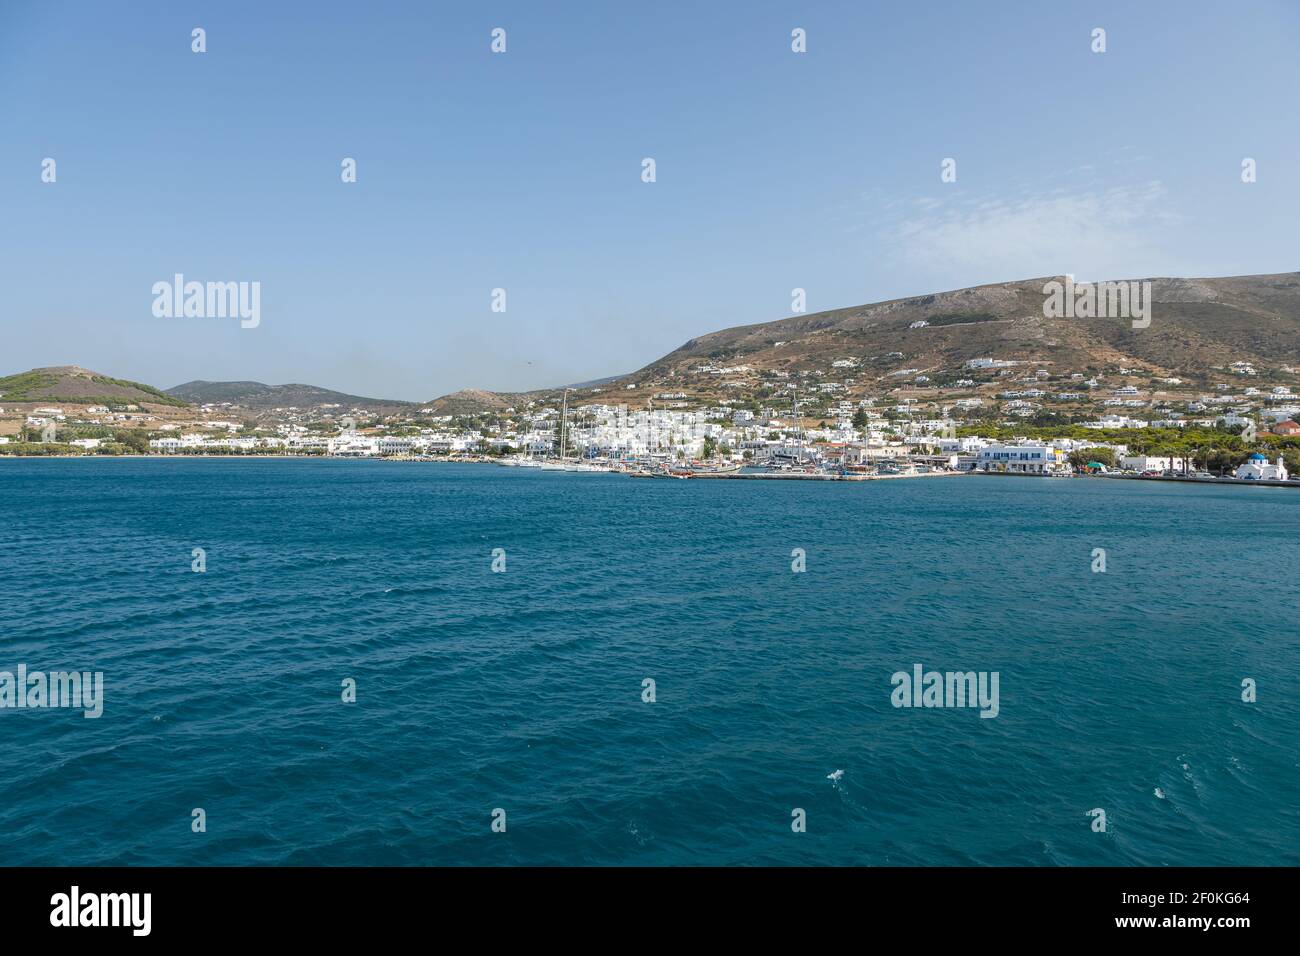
(353, 446)
(391, 445)
(1143, 463)
(1257, 467)
(1022, 459)
(1115, 421)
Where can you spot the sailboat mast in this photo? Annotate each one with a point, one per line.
(798, 425)
(564, 432)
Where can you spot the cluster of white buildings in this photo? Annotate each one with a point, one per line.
(198, 442)
(617, 431)
(345, 445)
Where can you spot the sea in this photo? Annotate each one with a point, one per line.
(364, 662)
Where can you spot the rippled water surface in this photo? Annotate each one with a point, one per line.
(522, 690)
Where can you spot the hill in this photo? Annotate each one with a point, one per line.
(477, 401)
(256, 395)
(1197, 324)
(1199, 328)
(73, 384)
(472, 401)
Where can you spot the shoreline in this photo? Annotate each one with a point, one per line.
(777, 476)
(1213, 480)
(1235, 482)
(432, 461)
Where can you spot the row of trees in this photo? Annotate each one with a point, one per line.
(124, 441)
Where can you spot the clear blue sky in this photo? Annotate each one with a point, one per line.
(522, 171)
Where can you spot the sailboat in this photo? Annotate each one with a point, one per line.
(564, 433)
(794, 458)
(564, 464)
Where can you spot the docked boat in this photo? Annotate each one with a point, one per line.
(702, 470)
(718, 469)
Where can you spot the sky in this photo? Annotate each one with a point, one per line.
(523, 171)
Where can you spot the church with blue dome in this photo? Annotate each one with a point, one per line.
(1259, 468)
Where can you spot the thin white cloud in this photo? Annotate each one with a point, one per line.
(1120, 232)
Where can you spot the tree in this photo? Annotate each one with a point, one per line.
(1080, 457)
(563, 436)
(137, 441)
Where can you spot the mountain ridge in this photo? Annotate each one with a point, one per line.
(259, 395)
(1199, 326)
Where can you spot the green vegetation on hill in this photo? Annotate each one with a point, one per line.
(258, 395)
(158, 395)
(41, 385)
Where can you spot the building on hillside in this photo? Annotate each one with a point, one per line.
(1287, 428)
(1115, 421)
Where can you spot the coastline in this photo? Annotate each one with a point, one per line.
(770, 476)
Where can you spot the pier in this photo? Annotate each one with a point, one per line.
(1225, 480)
(804, 476)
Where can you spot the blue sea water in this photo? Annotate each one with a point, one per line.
(523, 690)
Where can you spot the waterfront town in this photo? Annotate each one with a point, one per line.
(998, 419)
